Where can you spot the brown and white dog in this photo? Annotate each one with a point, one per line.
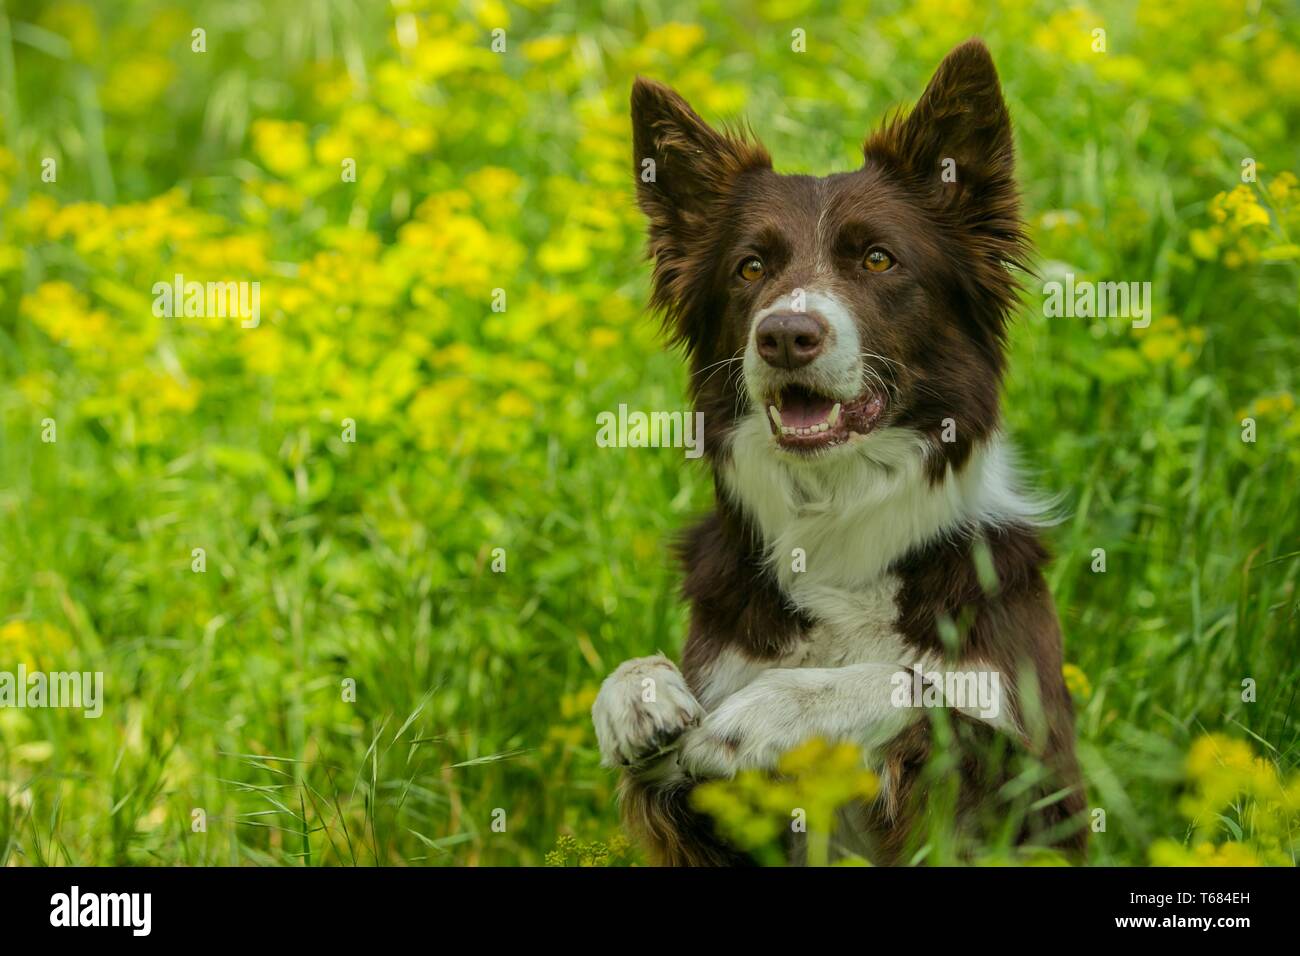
(846, 344)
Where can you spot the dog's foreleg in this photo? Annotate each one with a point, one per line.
(642, 710)
(868, 704)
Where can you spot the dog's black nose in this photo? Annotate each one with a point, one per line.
(790, 339)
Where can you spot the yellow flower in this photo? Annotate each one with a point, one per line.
(779, 10)
(65, 315)
(167, 394)
(416, 139)
(544, 49)
(280, 196)
(1282, 71)
(1215, 751)
(1270, 406)
(513, 404)
(1170, 853)
(34, 644)
(281, 145)
(1240, 208)
(12, 258)
(1226, 777)
(428, 410)
(1068, 34)
(264, 353)
(1283, 187)
(675, 39)
(491, 183)
(1076, 681)
(444, 52)
(569, 250)
(135, 84)
(816, 778)
(334, 146)
(491, 14)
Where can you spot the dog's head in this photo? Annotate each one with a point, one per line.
(840, 307)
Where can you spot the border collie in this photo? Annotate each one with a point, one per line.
(846, 341)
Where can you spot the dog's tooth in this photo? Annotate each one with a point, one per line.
(776, 415)
(823, 427)
(834, 415)
(787, 430)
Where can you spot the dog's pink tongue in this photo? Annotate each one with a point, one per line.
(804, 411)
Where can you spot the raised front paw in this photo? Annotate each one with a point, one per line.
(750, 729)
(641, 710)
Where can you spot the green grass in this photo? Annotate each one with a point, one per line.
(371, 562)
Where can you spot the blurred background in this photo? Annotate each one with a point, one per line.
(327, 560)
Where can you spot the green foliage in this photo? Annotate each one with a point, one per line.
(570, 852)
(372, 561)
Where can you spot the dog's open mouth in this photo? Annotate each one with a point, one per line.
(803, 420)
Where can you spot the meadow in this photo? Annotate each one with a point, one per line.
(353, 572)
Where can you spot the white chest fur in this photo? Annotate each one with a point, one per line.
(850, 627)
(842, 520)
(833, 527)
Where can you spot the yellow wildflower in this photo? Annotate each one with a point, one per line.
(1076, 681)
(675, 39)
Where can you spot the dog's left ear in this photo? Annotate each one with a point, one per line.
(956, 143)
(682, 164)
(685, 170)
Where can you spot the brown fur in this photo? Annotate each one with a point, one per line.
(713, 200)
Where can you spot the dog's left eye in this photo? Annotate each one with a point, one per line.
(877, 260)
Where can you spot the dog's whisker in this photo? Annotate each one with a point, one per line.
(884, 358)
(919, 385)
(889, 363)
(737, 358)
(874, 376)
(734, 380)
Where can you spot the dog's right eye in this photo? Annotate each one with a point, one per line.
(877, 260)
(751, 269)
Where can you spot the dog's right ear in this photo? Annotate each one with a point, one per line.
(683, 169)
(682, 164)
